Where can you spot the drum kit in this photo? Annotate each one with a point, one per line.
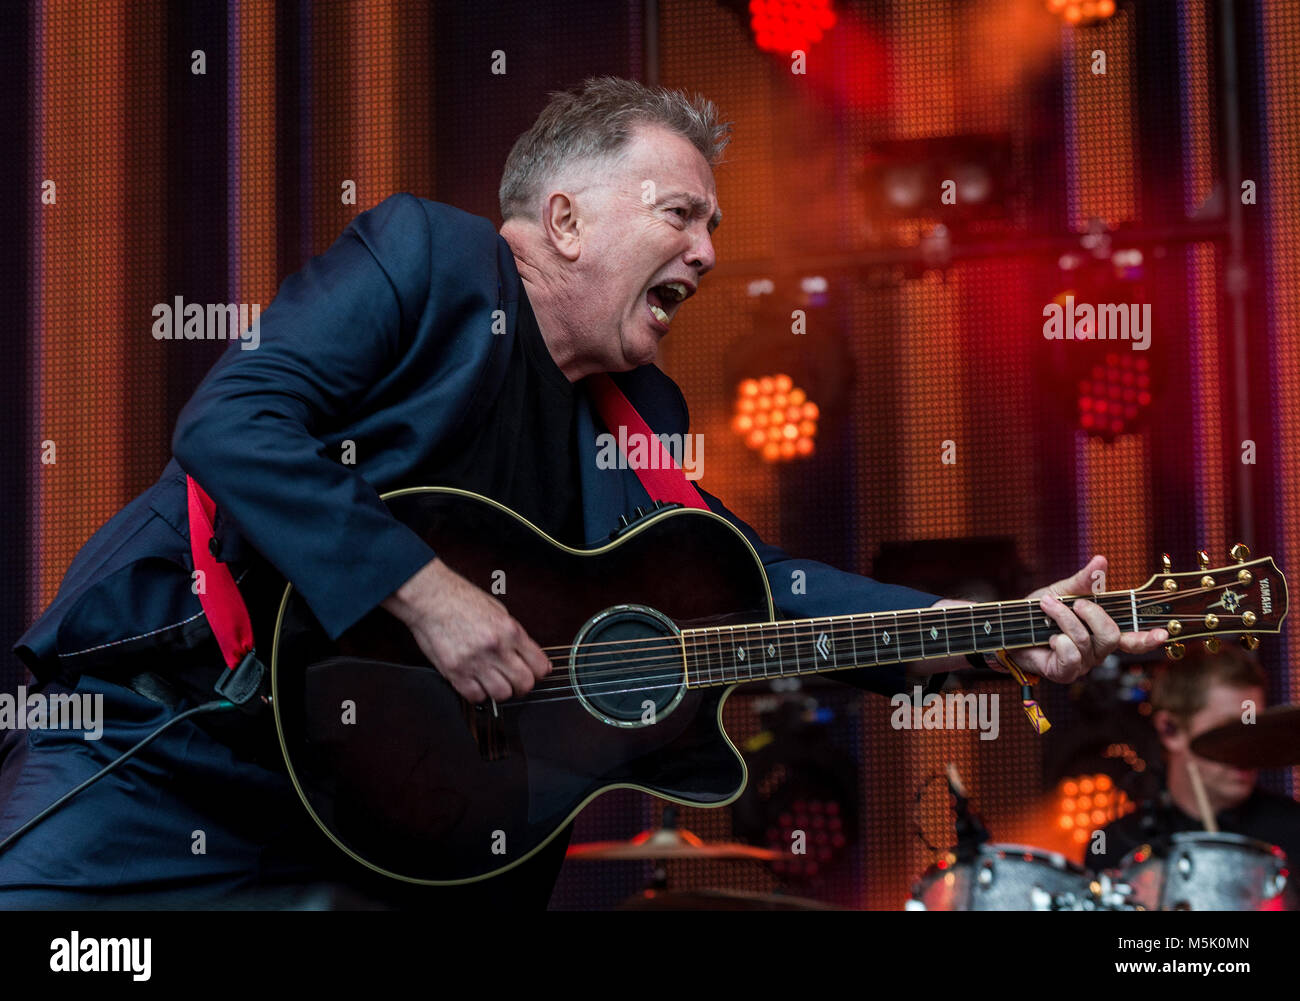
(1192, 870)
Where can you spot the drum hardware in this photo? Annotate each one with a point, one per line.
(1204, 871)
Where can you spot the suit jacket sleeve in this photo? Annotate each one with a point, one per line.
(335, 343)
(823, 590)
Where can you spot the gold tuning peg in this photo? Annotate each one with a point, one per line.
(1240, 552)
(1250, 642)
(1203, 559)
(1174, 651)
(1166, 564)
(1212, 644)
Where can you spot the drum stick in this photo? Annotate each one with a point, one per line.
(1202, 800)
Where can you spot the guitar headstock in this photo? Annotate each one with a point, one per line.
(1235, 602)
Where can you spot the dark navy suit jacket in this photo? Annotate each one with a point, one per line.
(392, 339)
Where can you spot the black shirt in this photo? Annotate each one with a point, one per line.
(1264, 816)
(524, 453)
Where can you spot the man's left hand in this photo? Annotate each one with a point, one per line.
(1088, 635)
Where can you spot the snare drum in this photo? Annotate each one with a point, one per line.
(1199, 871)
(1004, 878)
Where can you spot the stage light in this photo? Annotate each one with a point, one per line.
(789, 375)
(974, 185)
(904, 188)
(775, 417)
(1104, 374)
(1082, 815)
(1116, 395)
(786, 25)
(962, 180)
(1080, 13)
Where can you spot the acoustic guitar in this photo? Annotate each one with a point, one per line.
(648, 635)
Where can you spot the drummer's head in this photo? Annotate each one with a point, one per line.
(1194, 695)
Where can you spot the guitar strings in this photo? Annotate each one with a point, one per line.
(671, 681)
(662, 646)
(560, 681)
(838, 626)
(1018, 617)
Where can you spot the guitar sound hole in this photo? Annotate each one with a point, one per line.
(627, 666)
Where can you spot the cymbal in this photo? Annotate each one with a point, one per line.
(1272, 741)
(666, 843)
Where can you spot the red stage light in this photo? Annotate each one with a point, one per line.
(785, 25)
(1116, 393)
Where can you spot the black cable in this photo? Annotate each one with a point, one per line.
(219, 705)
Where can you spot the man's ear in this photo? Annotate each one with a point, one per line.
(1172, 734)
(560, 225)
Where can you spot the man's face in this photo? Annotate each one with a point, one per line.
(647, 223)
(1226, 785)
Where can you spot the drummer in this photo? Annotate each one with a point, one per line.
(1196, 694)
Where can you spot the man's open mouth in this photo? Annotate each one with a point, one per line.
(663, 300)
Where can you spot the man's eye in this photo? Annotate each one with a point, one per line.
(683, 213)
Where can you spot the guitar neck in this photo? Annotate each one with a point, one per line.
(726, 655)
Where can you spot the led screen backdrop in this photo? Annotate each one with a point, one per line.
(206, 150)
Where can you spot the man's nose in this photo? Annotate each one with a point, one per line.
(701, 256)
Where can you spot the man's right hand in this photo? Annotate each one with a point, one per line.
(468, 635)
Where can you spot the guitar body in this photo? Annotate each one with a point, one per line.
(410, 779)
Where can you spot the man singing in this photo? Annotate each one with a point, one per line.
(430, 349)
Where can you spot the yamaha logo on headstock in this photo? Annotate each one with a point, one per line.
(1265, 598)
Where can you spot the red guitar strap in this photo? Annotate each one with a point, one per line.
(222, 603)
(228, 615)
(664, 480)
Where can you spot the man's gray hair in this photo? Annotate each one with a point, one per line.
(596, 122)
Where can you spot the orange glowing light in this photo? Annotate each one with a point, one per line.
(1081, 12)
(775, 417)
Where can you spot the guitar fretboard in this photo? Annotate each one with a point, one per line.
(726, 655)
